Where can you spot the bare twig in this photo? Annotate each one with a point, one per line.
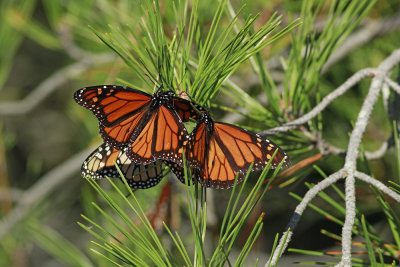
(370, 180)
(349, 172)
(309, 196)
(49, 85)
(325, 148)
(40, 190)
(371, 30)
(324, 103)
(379, 152)
(331, 149)
(14, 193)
(332, 96)
(68, 44)
(353, 150)
(395, 86)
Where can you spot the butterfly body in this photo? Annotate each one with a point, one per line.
(162, 99)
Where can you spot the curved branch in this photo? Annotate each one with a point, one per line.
(309, 196)
(325, 102)
(372, 181)
(353, 150)
(392, 84)
(326, 148)
(350, 166)
(41, 189)
(45, 88)
(14, 193)
(370, 31)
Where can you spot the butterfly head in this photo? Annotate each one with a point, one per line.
(208, 121)
(162, 98)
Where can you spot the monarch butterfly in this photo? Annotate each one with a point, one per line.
(100, 163)
(218, 151)
(149, 126)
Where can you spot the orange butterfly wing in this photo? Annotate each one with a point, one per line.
(185, 110)
(162, 137)
(119, 110)
(211, 166)
(242, 147)
(100, 163)
(219, 151)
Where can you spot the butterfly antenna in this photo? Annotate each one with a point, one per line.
(159, 88)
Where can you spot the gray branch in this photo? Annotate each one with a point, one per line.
(309, 196)
(40, 190)
(372, 181)
(371, 30)
(49, 85)
(324, 103)
(13, 194)
(325, 148)
(353, 150)
(349, 172)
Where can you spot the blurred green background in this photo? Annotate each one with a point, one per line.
(47, 52)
